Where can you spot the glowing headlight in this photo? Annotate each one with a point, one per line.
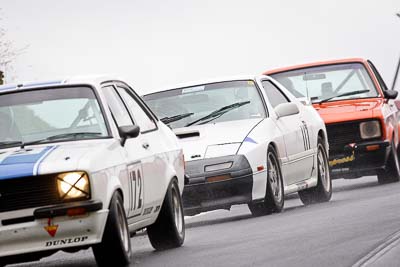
(72, 185)
(370, 129)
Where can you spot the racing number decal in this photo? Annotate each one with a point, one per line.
(306, 136)
(135, 189)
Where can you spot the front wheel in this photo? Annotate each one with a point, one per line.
(323, 191)
(391, 173)
(274, 198)
(168, 231)
(115, 247)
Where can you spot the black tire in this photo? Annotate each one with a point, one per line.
(274, 197)
(391, 173)
(323, 191)
(168, 231)
(115, 247)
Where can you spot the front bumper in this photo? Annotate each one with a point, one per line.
(51, 229)
(218, 189)
(357, 160)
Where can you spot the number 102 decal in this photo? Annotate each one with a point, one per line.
(135, 175)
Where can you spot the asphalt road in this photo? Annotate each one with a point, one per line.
(359, 227)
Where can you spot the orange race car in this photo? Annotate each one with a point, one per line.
(360, 113)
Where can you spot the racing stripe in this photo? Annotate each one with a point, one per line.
(250, 140)
(4, 155)
(36, 167)
(23, 163)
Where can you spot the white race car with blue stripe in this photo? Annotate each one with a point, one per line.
(84, 163)
(246, 140)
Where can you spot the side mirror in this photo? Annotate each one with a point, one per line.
(390, 94)
(128, 132)
(286, 109)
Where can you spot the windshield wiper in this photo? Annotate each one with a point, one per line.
(344, 94)
(219, 112)
(168, 120)
(59, 137)
(10, 143)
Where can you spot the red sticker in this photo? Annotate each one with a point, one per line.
(51, 228)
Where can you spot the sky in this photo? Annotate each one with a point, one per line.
(155, 44)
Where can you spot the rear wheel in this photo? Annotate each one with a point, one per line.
(274, 198)
(169, 229)
(323, 191)
(115, 247)
(391, 173)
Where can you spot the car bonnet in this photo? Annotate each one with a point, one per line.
(49, 158)
(347, 110)
(214, 139)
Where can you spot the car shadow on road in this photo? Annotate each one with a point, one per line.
(243, 216)
(355, 186)
(64, 259)
(63, 263)
(219, 220)
(293, 201)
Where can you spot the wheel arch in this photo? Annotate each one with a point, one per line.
(114, 185)
(173, 173)
(274, 146)
(119, 190)
(170, 181)
(323, 135)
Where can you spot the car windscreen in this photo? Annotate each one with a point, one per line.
(57, 113)
(207, 103)
(332, 82)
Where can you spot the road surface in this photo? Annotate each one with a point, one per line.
(359, 227)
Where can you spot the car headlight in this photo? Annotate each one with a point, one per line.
(219, 166)
(73, 185)
(370, 129)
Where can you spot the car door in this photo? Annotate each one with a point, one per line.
(154, 165)
(134, 178)
(296, 136)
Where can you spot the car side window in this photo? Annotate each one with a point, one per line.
(275, 96)
(145, 122)
(118, 110)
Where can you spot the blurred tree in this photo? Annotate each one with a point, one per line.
(8, 52)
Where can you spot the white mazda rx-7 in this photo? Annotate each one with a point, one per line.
(246, 140)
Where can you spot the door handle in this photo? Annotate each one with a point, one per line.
(145, 145)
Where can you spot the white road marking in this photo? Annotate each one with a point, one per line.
(389, 243)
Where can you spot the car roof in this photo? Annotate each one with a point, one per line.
(94, 80)
(314, 64)
(207, 81)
